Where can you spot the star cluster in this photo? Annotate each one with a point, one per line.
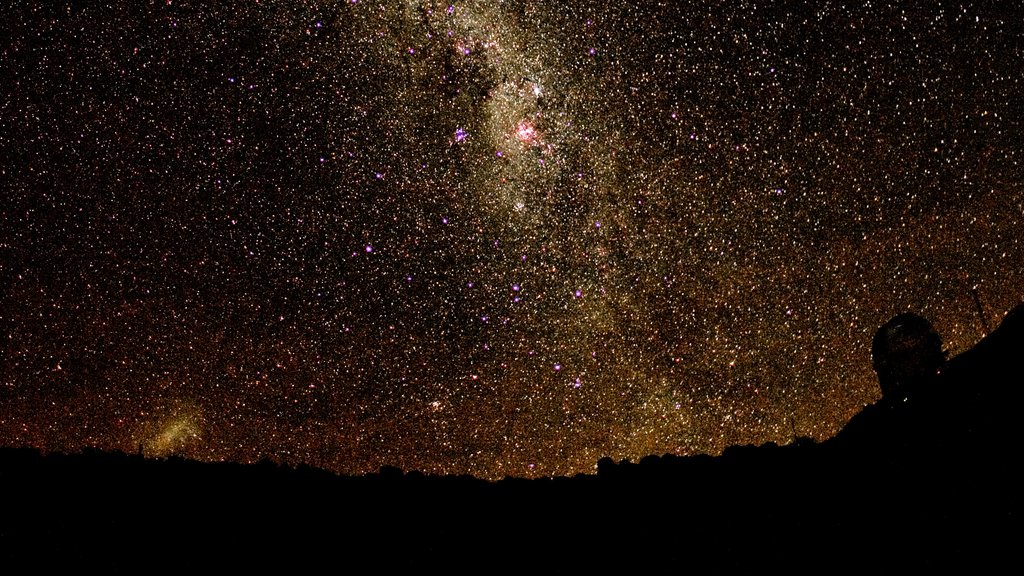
(489, 237)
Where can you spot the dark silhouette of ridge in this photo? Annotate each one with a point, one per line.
(965, 406)
(924, 484)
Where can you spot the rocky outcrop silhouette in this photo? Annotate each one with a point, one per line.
(922, 484)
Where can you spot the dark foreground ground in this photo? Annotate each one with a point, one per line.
(930, 487)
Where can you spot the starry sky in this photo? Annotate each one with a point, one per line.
(501, 237)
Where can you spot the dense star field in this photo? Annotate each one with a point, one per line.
(489, 237)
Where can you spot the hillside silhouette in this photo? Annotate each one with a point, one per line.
(909, 485)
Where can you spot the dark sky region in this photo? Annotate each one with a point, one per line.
(489, 237)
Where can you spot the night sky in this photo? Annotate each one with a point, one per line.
(489, 237)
